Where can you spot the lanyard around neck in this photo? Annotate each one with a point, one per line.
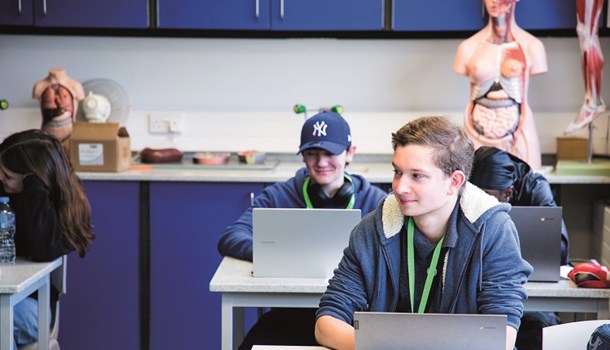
(350, 204)
(430, 273)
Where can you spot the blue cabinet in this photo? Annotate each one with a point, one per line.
(450, 15)
(17, 12)
(186, 220)
(101, 308)
(271, 14)
(327, 15)
(546, 14)
(214, 14)
(438, 15)
(70, 13)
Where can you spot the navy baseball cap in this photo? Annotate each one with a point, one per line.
(328, 131)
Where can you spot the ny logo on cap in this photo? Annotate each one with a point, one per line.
(319, 128)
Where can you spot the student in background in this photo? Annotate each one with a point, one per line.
(51, 210)
(326, 147)
(434, 220)
(511, 180)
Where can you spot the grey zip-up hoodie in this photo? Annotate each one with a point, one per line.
(483, 269)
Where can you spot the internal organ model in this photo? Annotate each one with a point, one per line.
(498, 60)
(59, 95)
(592, 62)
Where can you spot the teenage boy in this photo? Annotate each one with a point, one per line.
(435, 221)
(326, 147)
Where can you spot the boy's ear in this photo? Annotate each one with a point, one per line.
(457, 180)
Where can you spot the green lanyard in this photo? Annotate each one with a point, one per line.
(350, 204)
(431, 269)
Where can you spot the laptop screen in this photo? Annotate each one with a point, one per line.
(300, 243)
(405, 331)
(540, 236)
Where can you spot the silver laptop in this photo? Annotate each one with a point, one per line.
(300, 243)
(406, 331)
(540, 235)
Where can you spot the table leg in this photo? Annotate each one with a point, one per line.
(6, 322)
(603, 309)
(238, 326)
(232, 323)
(44, 295)
(226, 323)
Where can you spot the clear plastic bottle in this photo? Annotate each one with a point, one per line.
(7, 231)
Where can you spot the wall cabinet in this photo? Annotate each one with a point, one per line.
(186, 220)
(69, 13)
(100, 310)
(440, 15)
(284, 15)
(451, 15)
(271, 14)
(546, 14)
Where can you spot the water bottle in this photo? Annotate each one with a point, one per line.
(7, 232)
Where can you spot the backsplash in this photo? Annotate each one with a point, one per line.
(279, 131)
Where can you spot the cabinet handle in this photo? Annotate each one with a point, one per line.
(281, 9)
(257, 8)
(251, 199)
(44, 7)
(19, 6)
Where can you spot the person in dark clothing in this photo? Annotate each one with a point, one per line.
(327, 149)
(51, 211)
(511, 180)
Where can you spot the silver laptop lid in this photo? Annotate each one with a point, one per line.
(300, 243)
(540, 236)
(408, 331)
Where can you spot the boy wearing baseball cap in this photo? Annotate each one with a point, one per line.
(326, 147)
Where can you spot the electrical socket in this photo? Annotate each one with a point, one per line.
(164, 122)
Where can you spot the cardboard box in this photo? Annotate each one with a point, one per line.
(100, 147)
(572, 148)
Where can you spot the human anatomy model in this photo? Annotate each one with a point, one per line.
(498, 60)
(592, 62)
(59, 95)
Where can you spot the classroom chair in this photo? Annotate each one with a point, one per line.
(58, 279)
(569, 336)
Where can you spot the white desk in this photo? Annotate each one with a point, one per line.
(17, 281)
(239, 290)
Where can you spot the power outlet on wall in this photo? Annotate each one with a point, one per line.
(160, 122)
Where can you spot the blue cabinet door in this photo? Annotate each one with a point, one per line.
(92, 13)
(214, 14)
(546, 14)
(327, 14)
(100, 310)
(17, 12)
(271, 14)
(438, 15)
(70, 13)
(186, 220)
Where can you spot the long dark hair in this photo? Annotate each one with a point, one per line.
(38, 153)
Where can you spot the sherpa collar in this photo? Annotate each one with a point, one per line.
(473, 203)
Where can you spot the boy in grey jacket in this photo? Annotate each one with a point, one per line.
(435, 219)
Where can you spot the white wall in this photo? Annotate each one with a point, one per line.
(235, 94)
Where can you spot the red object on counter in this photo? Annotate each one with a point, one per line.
(590, 275)
(164, 155)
